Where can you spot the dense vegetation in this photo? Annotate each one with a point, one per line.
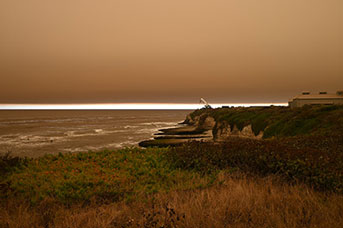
(279, 121)
(241, 183)
(314, 160)
(107, 175)
(134, 173)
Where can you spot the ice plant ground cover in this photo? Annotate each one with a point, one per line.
(107, 175)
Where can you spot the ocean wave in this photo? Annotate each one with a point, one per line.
(28, 140)
(159, 123)
(68, 132)
(131, 126)
(102, 147)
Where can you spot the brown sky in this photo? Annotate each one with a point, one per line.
(168, 50)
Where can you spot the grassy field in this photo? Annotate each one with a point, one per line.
(120, 175)
(238, 201)
(284, 180)
(246, 183)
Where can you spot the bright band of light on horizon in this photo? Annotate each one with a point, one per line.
(123, 106)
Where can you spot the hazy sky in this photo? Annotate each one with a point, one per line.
(168, 50)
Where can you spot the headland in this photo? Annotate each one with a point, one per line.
(217, 125)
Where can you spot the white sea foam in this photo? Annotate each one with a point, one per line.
(70, 133)
(96, 132)
(33, 140)
(131, 126)
(28, 140)
(80, 130)
(102, 147)
(147, 131)
(159, 124)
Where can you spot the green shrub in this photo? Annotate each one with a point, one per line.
(9, 163)
(108, 175)
(315, 160)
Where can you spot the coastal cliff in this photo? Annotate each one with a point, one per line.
(221, 130)
(252, 122)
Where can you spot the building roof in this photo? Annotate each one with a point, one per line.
(317, 96)
(306, 95)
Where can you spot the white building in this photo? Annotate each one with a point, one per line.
(322, 98)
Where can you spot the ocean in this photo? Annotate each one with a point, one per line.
(35, 133)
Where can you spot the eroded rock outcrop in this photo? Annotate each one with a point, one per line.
(222, 131)
(208, 123)
(201, 127)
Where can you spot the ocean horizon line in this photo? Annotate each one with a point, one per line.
(127, 106)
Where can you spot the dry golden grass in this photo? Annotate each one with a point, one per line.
(237, 202)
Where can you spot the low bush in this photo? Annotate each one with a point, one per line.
(9, 163)
(314, 160)
(107, 176)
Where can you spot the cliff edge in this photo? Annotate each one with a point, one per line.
(252, 122)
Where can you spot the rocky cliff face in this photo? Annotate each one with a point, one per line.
(202, 121)
(252, 122)
(208, 123)
(190, 120)
(221, 130)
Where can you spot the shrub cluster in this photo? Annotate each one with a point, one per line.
(106, 176)
(9, 163)
(314, 160)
